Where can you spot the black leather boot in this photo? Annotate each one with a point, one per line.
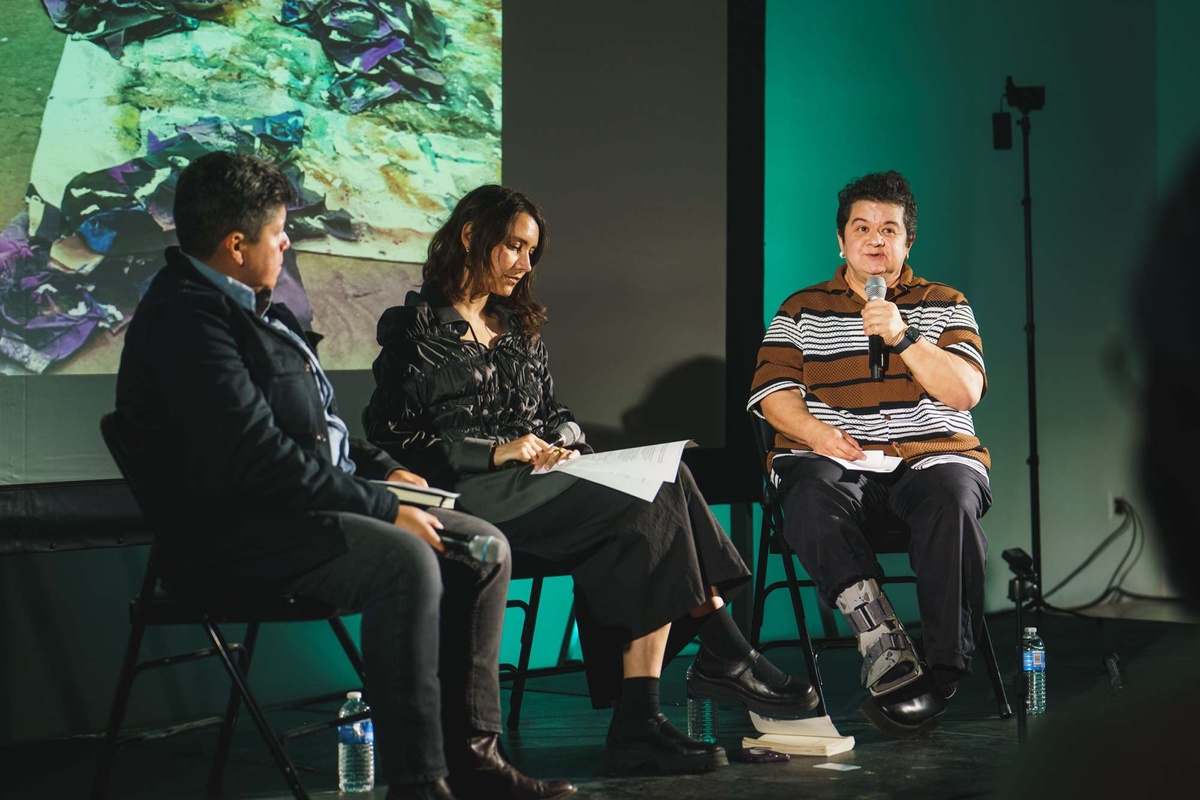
(438, 790)
(714, 679)
(481, 772)
(654, 746)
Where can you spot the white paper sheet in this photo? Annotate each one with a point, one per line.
(638, 471)
(876, 461)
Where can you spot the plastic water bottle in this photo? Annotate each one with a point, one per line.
(356, 748)
(1033, 662)
(701, 716)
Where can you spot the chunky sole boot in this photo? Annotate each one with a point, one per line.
(712, 679)
(654, 746)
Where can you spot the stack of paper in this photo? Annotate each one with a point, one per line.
(638, 471)
(813, 736)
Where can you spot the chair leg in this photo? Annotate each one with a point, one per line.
(564, 649)
(256, 713)
(810, 657)
(760, 583)
(518, 686)
(352, 652)
(216, 773)
(116, 715)
(989, 658)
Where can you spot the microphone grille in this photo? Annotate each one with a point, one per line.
(569, 432)
(487, 548)
(876, 288)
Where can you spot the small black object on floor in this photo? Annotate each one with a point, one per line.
(561, 736)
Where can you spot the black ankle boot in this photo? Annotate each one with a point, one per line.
(438, 790)
(481, 772)
(654, 746)
(715, 679)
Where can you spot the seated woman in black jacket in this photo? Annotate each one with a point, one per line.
(463, 392)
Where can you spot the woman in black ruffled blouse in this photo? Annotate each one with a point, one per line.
(464, 396)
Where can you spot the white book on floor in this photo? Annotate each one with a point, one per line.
(811, 736)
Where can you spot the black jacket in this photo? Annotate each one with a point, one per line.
(443, 402)
(227, 435)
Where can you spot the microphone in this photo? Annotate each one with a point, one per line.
(483, 547)
(1113, 664)
(566, 435)
(876, 290)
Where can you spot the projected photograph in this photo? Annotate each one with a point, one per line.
(382, 113)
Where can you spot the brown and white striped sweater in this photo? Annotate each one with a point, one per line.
(816, 344)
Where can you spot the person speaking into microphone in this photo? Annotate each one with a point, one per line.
(878, 359)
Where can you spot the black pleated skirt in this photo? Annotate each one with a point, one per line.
(637, 565)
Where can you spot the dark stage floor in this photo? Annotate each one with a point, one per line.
(562, 736)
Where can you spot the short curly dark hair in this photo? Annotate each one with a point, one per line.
(220, 193)
(879, 187)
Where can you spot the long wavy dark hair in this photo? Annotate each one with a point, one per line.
(492, 211)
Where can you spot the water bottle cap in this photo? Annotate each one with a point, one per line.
(354, 695)
(1030, 630)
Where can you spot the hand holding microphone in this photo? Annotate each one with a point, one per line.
(876, 289)
(563, 437)
(542, 454)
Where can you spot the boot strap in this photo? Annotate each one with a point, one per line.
(870, 615)
(896, 640)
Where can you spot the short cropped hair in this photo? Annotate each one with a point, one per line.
(879, 187)
(220, 193)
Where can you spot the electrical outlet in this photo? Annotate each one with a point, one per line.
(1117, 505)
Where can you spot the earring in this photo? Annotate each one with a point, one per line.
(841, 254)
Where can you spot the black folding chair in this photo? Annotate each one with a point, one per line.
(886, 534)
(153, 606)
(518, 674)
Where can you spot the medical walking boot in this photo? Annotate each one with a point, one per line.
(904, 700)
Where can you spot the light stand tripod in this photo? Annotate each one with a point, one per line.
(1027, 99)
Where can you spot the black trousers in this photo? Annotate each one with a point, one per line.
(830, 512)
(431, 629)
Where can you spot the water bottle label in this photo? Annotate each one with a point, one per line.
(1034, 661)
(361, 732)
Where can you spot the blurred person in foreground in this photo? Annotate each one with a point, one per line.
(1142, 742)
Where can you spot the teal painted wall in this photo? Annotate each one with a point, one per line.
(854, 88)
(1178, 85)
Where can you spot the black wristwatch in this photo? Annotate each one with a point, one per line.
(911, 336)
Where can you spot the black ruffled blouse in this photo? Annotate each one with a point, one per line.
(442, 402)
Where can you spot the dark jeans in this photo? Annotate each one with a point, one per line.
(828, 509)
(431, 629)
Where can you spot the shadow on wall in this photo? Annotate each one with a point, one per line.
(685, 402)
